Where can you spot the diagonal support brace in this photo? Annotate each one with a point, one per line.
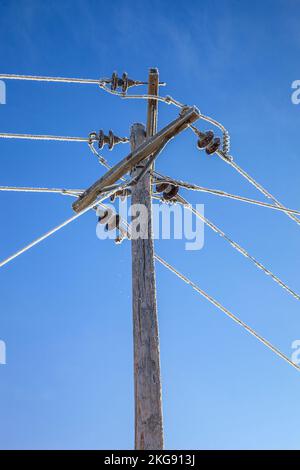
(149, 147)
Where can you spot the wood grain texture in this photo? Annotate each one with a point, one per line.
(147, 381)
(148, 406)
(140, 153)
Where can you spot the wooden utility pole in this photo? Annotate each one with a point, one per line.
(149, 146)
(146, 144)
(147, 381)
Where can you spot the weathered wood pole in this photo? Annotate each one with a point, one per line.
(147, 381)
(150, 146)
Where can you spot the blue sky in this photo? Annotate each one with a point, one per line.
(66, 305)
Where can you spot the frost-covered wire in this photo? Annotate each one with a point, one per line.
(218, 192)
(226, 311)
(102, 83)
(86, 81)
(52, 231)
(257, 185)
(100, 159)
(36, 78)
(238, 247)
(123, 95)
(218, 304)
(5, 135)
(170, 100)
(30, 189)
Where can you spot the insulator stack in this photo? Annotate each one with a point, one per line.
(213, 146)
(169, 191)
(205, 140)
(111, 140)
(123, 83)
(112, 221)
(208, 142)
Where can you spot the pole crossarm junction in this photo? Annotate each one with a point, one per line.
(151, 145)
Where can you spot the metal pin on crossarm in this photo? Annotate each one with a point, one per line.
(140, 153)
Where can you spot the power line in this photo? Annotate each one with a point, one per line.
(226, 136)
(52, 231)
(228, 159)
(125, 81)
(89, 140)
(238, 247)
(30, 189)
(186, 204)
(227, 312)
(100, 159)
(88, 81)
(217, 304)
(44, 137)
(102, 82)
(170, 100)
(93, 137)
(164, 99)
(63, 191)
(218, 192)
(257, 185)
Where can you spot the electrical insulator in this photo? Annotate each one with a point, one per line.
(119, 239)
(160, 187)
(111, 140)
(114, 81)
(213, 146)
(169, 190)
(112, 221)
(208, 142)
(205, 139)
(124, 83)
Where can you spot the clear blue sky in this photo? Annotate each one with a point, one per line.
(66, 305)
